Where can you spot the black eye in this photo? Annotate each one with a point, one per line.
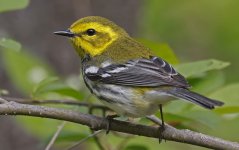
(90, 32)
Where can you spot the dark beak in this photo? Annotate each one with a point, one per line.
(67, 33)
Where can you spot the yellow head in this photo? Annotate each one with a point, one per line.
(92, 35)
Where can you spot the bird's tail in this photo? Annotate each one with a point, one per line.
(194, 98)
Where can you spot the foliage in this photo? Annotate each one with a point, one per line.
(8, 5)
(197, 29)
(26, 70)
(37, 79)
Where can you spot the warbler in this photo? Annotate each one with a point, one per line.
(124, 74)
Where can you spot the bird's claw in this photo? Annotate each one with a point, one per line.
(109, 119)
(161, 130)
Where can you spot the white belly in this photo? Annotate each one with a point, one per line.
(125, 101)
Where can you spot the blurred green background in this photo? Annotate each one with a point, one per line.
(195, 29)
(199, 37)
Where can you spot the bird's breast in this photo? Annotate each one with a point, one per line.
(125, 100)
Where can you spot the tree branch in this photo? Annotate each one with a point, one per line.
(98, 123)
(65, 102)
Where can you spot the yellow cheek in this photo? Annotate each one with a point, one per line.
(94, 45)
(76, 44)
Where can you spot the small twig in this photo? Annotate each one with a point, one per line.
(97, 140)
(53, 139)
(83, 140)
(154, 119)
(67, 102)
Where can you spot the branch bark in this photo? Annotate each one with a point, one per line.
(98, 123)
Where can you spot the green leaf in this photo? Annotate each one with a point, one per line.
(179, 120)
(8, 5)
(202, 117)
(24, 69)
(175, 117)
(229, 95)
(53, 85)
(161, 50)
(175, 106)
(136, 147)
(227, 110)
(199, 67)
(40, 87)
(211, 82)
(10, 44)
(70, 136)
(181, 111)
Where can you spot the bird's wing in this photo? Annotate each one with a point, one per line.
(141, 72)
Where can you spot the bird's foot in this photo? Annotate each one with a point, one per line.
(109, 119)
(161, 130)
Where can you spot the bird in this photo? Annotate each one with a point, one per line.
(124, 74)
